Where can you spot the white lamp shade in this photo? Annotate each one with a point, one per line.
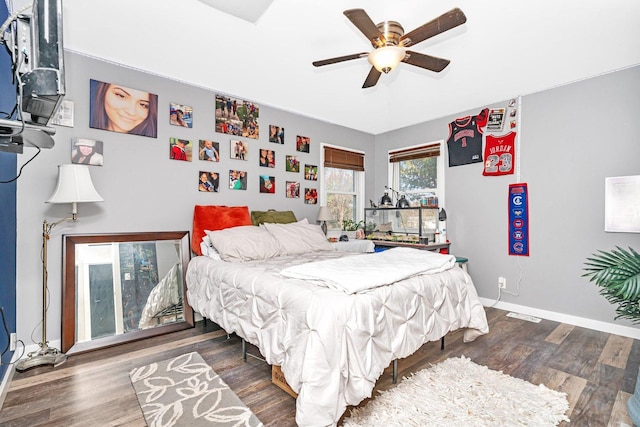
(74, 185)
(386, 58)
(324, 214)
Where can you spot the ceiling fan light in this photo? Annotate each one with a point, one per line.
(386, 58)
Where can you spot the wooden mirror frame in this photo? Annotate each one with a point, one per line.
(69, 344)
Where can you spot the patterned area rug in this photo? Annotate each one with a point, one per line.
(457, 392)
(185, 391)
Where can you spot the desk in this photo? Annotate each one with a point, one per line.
(434, 247)
(355, 245)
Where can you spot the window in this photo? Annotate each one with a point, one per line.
(342, 185)
(417, 173)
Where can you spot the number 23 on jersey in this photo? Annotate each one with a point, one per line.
(499, 154)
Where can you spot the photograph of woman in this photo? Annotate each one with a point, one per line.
(121, 109)
(181, 115)
(87, 152)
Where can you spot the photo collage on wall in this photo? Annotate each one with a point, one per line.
(235, 117)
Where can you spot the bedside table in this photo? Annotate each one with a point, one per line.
(355, 245)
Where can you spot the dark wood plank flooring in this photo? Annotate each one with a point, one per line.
(597, 370)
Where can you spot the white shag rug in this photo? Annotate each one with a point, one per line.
(458, 392)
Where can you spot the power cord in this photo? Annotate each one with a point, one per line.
(6, 329)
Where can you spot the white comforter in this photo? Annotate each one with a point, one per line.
(332, 346)
(357, 274)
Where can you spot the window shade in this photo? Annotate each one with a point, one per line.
(343, 159)
(431, 150)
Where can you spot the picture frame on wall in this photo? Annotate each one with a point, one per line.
(180, 115)
(303, 143)
(292, 189)
(209, 150)
(237, 179)
(208, 181)
(267, 158)
(292, 164)
(495, 121)
(276, 134)
(310, 196)
(267, 184)
(238, 150)
(108, 101)
(237, 117)
(180, 149)
(86, 151)
(311, 172)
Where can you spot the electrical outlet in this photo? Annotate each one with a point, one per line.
(14, 341)
(502, 282)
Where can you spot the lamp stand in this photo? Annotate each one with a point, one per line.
(324, 227)
(46, 355)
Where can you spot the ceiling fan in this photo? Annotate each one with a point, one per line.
(390, 43)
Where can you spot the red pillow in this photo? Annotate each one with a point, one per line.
(216, 218)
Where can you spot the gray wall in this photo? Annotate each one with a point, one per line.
(143, 189)
(572, 137)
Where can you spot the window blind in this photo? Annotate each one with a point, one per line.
(343, 159)
(431, 150)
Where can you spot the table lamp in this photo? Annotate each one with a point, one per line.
(324, 215)
(74, 186)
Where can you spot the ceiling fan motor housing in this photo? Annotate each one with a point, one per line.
(392, 31)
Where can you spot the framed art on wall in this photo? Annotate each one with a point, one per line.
(119, 108)
(208, 182)
(622, 204)
(181, 115)
(238, 150)
(237, 117)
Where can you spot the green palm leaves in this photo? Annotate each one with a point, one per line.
(618, 274)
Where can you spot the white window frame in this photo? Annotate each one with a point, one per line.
(394, 172)
(359, 182)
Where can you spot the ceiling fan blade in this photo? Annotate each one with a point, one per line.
(444, 22)
(339, 59)
(428, 62)
(372, 78)
(363, 22)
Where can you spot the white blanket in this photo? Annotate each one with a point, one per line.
(360, 273)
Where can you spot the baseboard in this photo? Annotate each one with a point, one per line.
(6, 380)
(625, 331)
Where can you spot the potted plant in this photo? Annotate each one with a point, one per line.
(349, 227)
(617, 273)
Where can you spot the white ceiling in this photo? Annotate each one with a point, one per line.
(507, 48)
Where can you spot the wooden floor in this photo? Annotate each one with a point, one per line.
(596, 370)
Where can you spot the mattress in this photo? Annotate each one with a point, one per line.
(331, 346)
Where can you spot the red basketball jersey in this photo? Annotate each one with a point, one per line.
(499, 154)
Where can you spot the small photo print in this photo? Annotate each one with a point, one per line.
(209, 150)
(310, 196)
(86, 152)
(311, 172)
(293, 190)
(237, 180)
(238, 150)
(181, 115)
(267, 158)
(293, 164)
(64, 114)
(302, 143)
(180, 149)
(276, 134)
(267, 184)
(208, 182)
(237, 117)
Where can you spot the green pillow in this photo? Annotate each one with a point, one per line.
(272, 217)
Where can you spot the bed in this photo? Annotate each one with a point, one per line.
(332, 340)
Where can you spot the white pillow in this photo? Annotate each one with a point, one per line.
(244, 243)
(207, 249)
(296, 238)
